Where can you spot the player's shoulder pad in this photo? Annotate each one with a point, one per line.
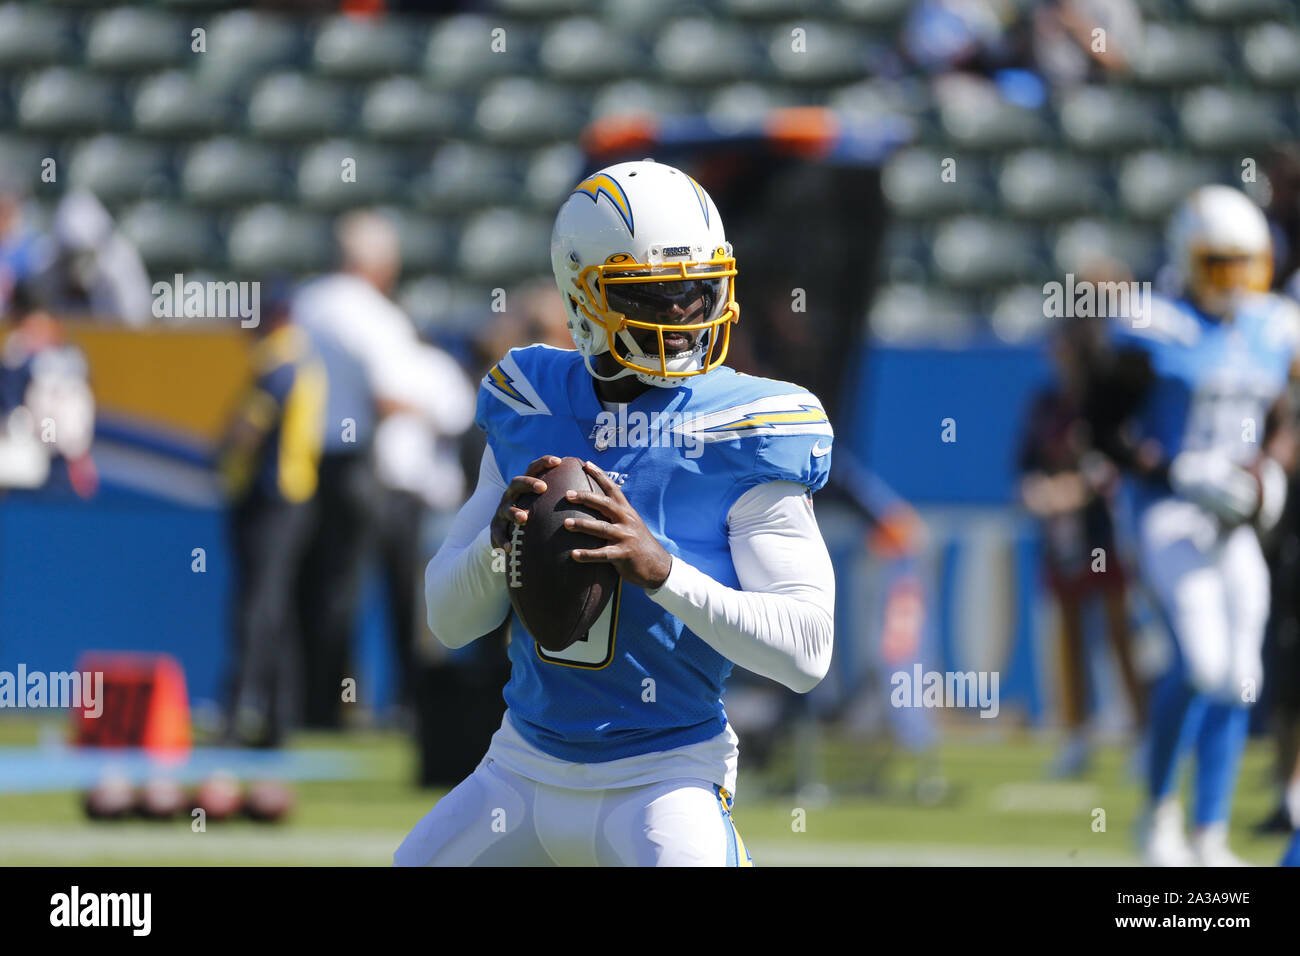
(1279, 319)
(1288, 319)
(785, 425)
(1162, 321)
(517, 385)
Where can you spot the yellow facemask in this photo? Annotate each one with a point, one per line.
(1217, 279)
(623, 293)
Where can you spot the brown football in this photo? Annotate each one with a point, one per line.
(556, 598)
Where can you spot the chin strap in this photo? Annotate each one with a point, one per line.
(621, 373)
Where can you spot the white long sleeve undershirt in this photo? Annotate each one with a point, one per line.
(779, 624)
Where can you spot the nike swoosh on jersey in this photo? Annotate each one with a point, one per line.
(819, 452)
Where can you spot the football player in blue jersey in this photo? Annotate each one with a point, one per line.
(617, 750)
(1190, 399)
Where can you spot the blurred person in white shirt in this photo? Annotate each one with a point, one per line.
(417, 462)
(96, 269)
(378, 370)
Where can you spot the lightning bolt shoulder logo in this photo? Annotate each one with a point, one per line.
(797, 414)
(607, 186)
(801, 415)
(498, 377)
(508, 383)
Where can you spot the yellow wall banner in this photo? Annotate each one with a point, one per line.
(178, 379)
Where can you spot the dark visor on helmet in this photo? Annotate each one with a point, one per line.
(679, 302)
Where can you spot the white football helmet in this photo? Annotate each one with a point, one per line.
(640, 245)
(1220, 245)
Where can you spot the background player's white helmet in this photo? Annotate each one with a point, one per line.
(1219, 244)
(637, 246)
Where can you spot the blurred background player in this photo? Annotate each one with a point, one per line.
(1189, 399)
(1068, 490)
(269, 461)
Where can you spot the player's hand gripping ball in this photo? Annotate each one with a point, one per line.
(627, 543)
(557, 598)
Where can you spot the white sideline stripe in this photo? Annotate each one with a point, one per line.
(1045, 797)
(175, 843)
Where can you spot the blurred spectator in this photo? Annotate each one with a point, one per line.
(47, 410)
(977, 36)
(377, 367)
(419, 472)
(1282, 664)
(1078, 41)
(96, 269)
(345, 314)
(1067, 491)
(1283, 211)
(269, 460)
(24, 252)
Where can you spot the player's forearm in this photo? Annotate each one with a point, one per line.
(778, 636)
(464, 596)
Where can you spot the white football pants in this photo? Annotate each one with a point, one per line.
(498, 818)
(1213, 586)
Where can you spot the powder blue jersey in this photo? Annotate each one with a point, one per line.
(1214, 381)
(640, 681)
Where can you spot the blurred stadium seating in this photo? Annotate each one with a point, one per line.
(276, 101)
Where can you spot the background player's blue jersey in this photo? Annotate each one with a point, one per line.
(1214, 381)
(640, 681)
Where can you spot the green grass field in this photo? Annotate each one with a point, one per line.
(998, 810)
